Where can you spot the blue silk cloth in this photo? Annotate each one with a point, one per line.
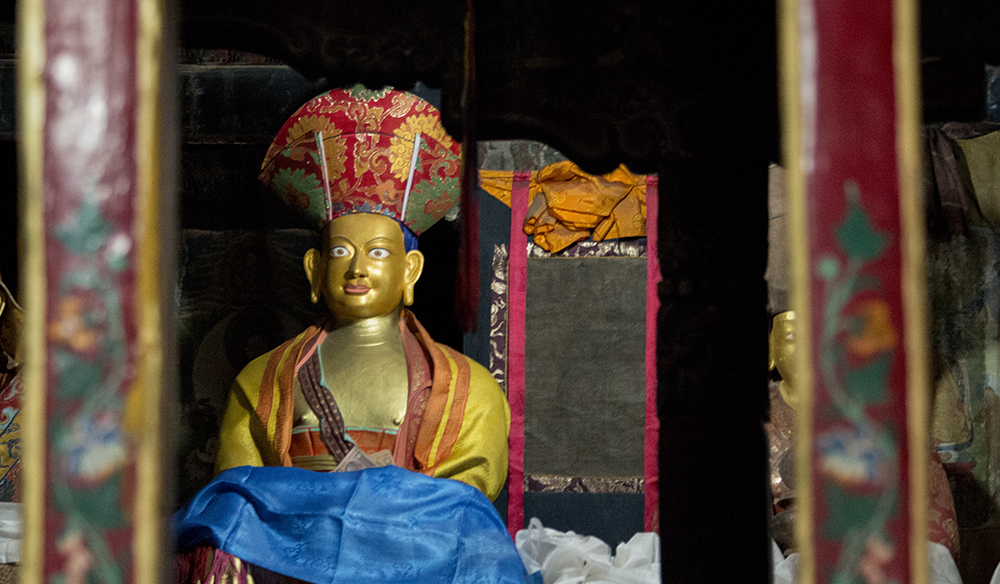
(383, 525)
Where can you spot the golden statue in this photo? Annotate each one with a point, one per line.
(780, 429)
(781, 345)
(371, 170)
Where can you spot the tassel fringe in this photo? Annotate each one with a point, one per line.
(208, 565)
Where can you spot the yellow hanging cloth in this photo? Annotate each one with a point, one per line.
(576, 205)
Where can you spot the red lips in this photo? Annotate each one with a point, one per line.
(356, 289)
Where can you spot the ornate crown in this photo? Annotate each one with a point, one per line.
(363, 151)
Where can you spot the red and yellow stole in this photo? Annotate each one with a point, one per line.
(439, 389)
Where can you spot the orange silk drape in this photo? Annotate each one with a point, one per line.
(576, 205)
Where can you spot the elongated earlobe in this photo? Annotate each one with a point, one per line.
(311, 262)
(414, 267)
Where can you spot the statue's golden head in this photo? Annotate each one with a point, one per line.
(362, 269)
(781, 346)
(364, 167)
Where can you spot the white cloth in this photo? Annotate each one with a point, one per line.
(568, 558)
(786, 570)
(10, 533)
(941, 567)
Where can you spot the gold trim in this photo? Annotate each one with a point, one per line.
(546, 483)
(906, 51)
(146, 400)
(792, 137)
(34, 288)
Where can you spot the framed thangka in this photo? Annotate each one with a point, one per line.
(571, 338)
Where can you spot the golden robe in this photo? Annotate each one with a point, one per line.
(456, 423)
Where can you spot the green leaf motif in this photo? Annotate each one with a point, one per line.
(361, 92)
(87, 231)
(117, 261)
(847, 513)
(858, 237)
(848, 576)
(316, 159)
(828, 267)
(303, 191)
(98, 507)
(297, 180)
(77, 378)
(868, 383)
(422, 192)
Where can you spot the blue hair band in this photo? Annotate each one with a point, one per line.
(409, 238)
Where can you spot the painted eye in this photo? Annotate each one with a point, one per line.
(378, 253)
(340, 252)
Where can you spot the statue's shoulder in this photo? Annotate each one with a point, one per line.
(250, 377)
(253, 373)
(480, 378)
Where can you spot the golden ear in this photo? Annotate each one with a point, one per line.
(414, 267)
(313, 265)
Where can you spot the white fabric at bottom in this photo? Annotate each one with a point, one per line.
(941, 567)
(10, 533)
(568, 558)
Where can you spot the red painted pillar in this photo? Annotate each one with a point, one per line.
(90, 115)
(851, 116)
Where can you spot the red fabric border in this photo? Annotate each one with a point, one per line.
(651, 516)
(517, 287)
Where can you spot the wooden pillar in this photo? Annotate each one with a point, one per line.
(712, 327)
(712, 363)
(851, 117)
(97, 266)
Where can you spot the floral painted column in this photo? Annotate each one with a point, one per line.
(97, 280)
(851, 114)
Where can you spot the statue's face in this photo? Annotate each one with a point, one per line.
(363, 269)
(782, 348)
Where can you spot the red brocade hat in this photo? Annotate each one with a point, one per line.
(352, 151)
